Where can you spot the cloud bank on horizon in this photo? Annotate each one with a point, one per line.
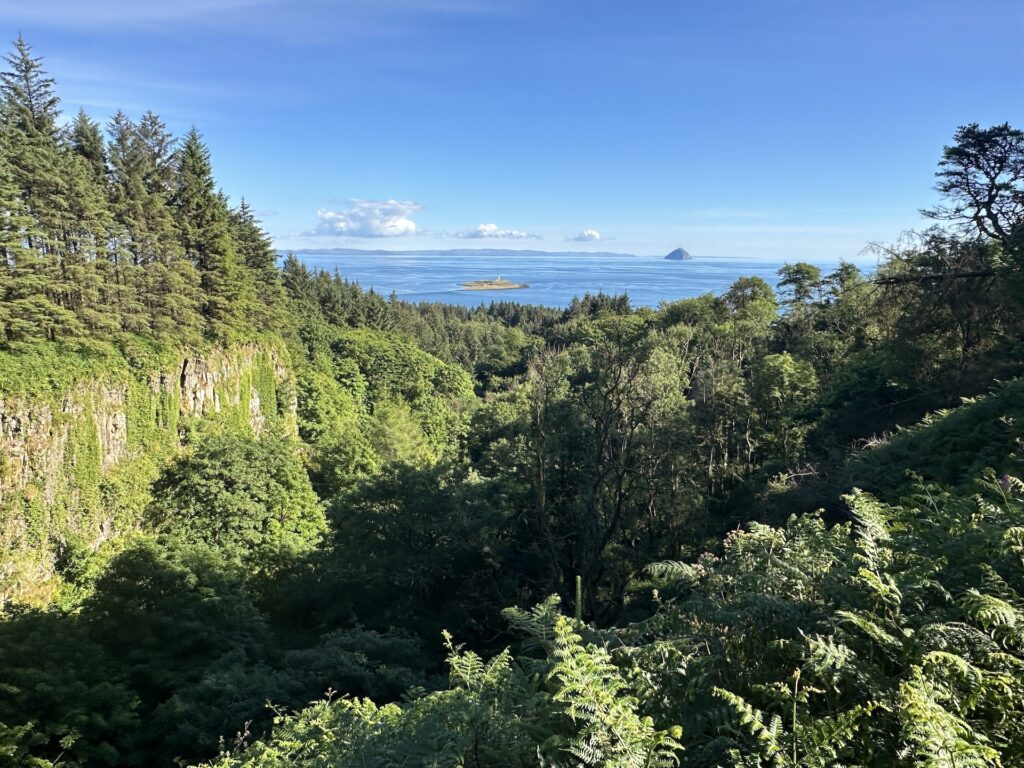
(493, 231)
(399, 220)
(393, 218)
(369, 218)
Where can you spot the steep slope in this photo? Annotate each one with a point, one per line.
(951, 446)
(85, 429)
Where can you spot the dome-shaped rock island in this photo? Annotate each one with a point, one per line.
(679, 254)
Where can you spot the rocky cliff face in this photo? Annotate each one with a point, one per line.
(64, 460)
(209, 384)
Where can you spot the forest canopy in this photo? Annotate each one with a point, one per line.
(778, 526)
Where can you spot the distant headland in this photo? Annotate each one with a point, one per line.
(679, 254)
(447, 252)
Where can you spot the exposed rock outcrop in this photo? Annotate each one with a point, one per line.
(58, 453)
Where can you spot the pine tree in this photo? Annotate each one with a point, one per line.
(259, 257)
(15, 226)
(160, 287)
(84, 247)
(296, 278)
(28, 91)
(87, 142)
(88, 238)
(202, 220)
(127, 191)
(29, 115)
(26, 310)
(173, 300)
(28, 120)
(161, 153)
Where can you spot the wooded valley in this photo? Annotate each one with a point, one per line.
(781, 526)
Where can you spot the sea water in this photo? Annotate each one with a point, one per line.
(553, 279)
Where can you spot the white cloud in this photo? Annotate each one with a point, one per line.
(369, 218)
(482, 231)
(588, 236)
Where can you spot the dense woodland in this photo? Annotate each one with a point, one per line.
(777, 527)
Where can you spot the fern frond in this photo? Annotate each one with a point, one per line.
(935, 737)
(987, 610)
(752, 721)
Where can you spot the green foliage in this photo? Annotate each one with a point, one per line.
(332, 420)
(596, 697)
(784, 389)
(571, 708)
(369, 399)
(903, 642)
(126, 237)
(249, 499)
(169, 656)
(72, 402)
(413, 549)
(950, 446)
(981, 177)
(894, 642)
(491, 341)
(473, 459)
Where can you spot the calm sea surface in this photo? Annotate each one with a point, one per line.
(553, 280)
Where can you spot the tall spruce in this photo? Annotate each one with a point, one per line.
(259, 257)
(29, 113)
(27, 310)
(203, 231)
(83, 246)
(28, 91)
(155, 278)
(161, 150)
(86, 141)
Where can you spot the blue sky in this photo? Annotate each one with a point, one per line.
(784, 129)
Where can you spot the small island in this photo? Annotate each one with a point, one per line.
(492, 285)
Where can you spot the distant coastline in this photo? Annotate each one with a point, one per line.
(447, 252)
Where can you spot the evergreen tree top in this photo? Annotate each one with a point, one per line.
(27, 90)
(195, 173)
(87, 141)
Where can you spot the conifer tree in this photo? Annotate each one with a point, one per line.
(259, 257)
(84, 245)
(28, 91)
(15, 226)
(161, 150)
(295, 275)
(159, 283)
(88, 236)
(127, 172)
(172, 291)
(87, 142)
(130, 235)
(202, 221)
(26, 309)
(28, 118)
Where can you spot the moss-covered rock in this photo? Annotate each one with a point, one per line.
(85, 428)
